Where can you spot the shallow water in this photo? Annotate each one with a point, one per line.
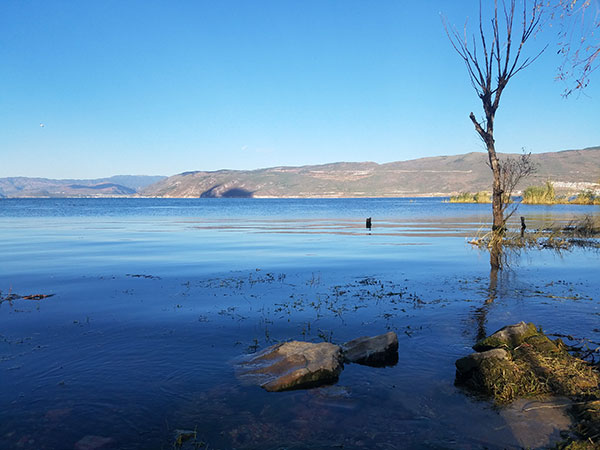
(153, 299)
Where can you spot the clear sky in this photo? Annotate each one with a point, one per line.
(161, 87)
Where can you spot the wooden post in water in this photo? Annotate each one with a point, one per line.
(368, 224)
(523, 226)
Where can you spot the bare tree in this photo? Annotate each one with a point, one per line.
(492, 59)
(578, 22)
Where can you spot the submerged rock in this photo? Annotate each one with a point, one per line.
(376, 351)
(183, 436)
(55, 415)
(538, 423)
(92, 442)
(293, 365)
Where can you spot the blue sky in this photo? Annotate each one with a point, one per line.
(162, 87)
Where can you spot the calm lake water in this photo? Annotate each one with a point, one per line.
(152, 300)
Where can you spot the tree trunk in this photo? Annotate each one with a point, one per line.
(498, 227)
(487, 136)
(495, 254)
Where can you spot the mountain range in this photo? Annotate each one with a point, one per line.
(569, 170)
(117, 186)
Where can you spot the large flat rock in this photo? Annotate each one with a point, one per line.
(293, 365)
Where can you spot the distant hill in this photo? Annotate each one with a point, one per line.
(135, 182)
(117, 186)
(570, 170)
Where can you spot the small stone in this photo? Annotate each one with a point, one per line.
(376, 351)
(293, 365)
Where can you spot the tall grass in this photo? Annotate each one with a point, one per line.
(545, 195)
(536, 195)
(468, 197)
(586, 197)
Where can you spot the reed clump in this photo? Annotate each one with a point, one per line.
(586, 197)
(469, 197)
(546, 195)
(533, 195)
(540, 195)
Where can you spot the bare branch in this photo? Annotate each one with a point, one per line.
(482, 37)
(512, 171)
(528, 29)
(579, 26)
(478, 127)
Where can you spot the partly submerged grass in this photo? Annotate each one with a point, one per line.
(587, 226)
(583, 233)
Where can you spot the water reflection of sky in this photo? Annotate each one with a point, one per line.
(153, 298)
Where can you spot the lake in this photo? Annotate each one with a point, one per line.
(152, 299)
